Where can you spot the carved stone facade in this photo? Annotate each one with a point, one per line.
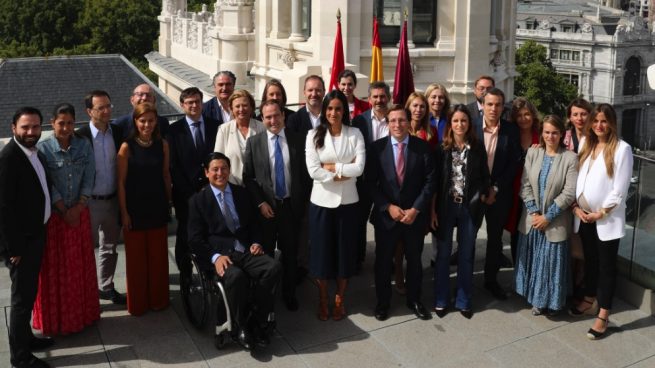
(260, 40)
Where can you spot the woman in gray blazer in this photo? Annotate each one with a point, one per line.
(547, 190)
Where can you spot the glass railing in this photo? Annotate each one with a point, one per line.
(637, 248)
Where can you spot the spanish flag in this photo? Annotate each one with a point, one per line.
(377, 73)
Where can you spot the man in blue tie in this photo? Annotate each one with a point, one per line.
(224, 234)
(278, 183)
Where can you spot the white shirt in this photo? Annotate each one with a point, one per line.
(285, 156)
(379, 127)
(227, 115)
(33, 157)
(315, 119)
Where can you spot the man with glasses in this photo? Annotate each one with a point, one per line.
(106, 139)
(482, 84)
(142, 93)
(218, 107)
(190, 140)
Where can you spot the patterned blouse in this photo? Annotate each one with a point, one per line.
(458, 171)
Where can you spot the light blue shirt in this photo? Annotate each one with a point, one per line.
(72, 170)
(395, 142)
(193, 129)
(104, 152)
(229, 202)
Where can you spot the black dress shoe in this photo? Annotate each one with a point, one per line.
(244, 339)
(381, 312)
(467, 313)
(453, 259)
(261, 336)
(291, 303)
(40, 343)
(441, 312)
(113, 295)
(420, 311)
(496, 290)
(30, 362)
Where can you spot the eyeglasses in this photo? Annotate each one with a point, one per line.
(192, 102)
(142, 94)
(103, 108)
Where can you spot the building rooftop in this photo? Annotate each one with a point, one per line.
(43, 82)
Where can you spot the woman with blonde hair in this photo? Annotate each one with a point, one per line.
(439, 106)
(605, 164)
(232, 136)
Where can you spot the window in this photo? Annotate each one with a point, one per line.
(575, 55)
(306, 18)
(568, 28)
(390, 15)
(554, 54)
(573, 79)
(565, 55)
(631, 79)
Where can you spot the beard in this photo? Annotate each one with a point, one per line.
(27, 141)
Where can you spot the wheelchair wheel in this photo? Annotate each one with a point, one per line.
(219, 341)
(195, 295)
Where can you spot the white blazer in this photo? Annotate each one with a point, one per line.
(350, 160)
(601, 191)
(227, 142)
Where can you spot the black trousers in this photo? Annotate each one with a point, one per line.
(496, 216)
(24, 285)
(600, 265)
(283, 231)
(262, 271)
(385, 245)
(182, 257)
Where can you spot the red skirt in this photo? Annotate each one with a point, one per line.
(67, 299)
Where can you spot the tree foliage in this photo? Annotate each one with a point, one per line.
(539, 82)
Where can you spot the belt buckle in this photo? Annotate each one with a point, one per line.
(458, 199)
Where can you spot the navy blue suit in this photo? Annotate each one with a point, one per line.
(506, 161)
(187, 176)
(416, 192)
(211, 110)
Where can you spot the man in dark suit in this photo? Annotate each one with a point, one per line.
(501, 141)
(224, 234)
(218, 108)
(190, 140)
(400, 176)
(480, 87)
(373, 125)
(24, 211)
(106, 140)
(307, 117)
(279, 187)
(142, 93)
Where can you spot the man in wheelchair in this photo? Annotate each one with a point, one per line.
(224, 235)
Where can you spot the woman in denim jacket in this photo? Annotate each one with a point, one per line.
(67, 299)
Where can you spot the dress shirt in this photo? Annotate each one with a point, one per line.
(285, 155)
(227, 115)
(490, 142)
(229, 202)
(192, 128)
(104, 152)
(379, 127)
(33, 156)
(394, 143)
(315, 119)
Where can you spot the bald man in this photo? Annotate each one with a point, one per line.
(142, 93)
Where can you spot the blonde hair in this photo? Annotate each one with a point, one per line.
(592, 139)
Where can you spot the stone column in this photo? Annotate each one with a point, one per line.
(296, 18)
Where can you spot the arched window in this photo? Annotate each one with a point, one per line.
(632, 77)
(390, 18)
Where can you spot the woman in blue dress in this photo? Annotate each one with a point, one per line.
(548, 190)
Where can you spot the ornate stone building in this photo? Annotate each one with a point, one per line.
(452, 42)
(603, 51)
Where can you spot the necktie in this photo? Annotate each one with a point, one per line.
(229, 221)
(280, 187)
(400, 163)
(197, 137)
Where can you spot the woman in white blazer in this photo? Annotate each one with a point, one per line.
(335, 157)
(232, 136)
(602, 188)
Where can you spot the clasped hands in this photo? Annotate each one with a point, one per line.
(223, 262)
(587, 217)
(539, 221)
(332, 167)
(398, 214)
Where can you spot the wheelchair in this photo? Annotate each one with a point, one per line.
(201, 290)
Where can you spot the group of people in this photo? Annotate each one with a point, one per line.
(306, 183)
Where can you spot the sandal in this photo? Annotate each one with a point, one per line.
(595, 335)
(591, 310)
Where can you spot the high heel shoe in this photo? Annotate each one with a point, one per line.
(591, 310)
(595, 335)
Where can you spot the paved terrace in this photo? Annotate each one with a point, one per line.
(500, 334)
